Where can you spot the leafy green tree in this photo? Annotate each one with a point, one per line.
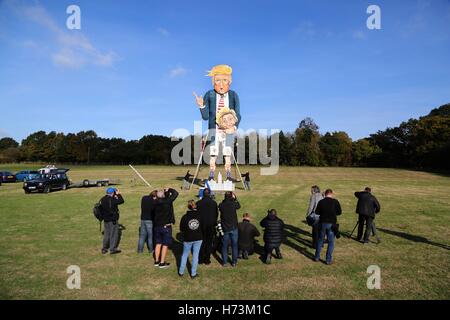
(286, 143)
(336, 149)
(7, 142)
(33, 146)
(306, 144)
(363, 151)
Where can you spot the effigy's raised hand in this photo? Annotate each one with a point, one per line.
(198, 100)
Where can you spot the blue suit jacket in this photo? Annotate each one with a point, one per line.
(209, 111)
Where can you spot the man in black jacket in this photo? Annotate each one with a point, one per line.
(328, 209)
(163, 221)
(208, 213)
(147, 216)
(190, 226)
(110, 211)
(246, 236)
(273, 234)
(228, 217)
(366, 207)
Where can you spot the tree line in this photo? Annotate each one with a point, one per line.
(422, 143)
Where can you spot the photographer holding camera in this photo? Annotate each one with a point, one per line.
(110, 210)
(366, 208)
(163, 221)
(311, 217)
(328, 209)
(246, 235)
(208, 212)
(228, 217)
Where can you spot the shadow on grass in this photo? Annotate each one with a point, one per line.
(177, 250)
(292, 234)
(197, 182)
(414, 238)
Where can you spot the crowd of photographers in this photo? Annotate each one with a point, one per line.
(208, 227)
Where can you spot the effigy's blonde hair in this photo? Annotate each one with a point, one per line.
(220, 69)
(222, 113)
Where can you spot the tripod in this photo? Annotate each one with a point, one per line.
(357, 223)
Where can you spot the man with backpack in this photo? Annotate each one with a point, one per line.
(110, 214)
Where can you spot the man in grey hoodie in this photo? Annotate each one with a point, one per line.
(316, 196)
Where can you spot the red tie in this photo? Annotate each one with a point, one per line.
(221, 103)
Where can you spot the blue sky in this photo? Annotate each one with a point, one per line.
(132, 67)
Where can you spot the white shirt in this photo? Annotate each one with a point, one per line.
(226, 102)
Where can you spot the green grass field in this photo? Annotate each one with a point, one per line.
(42, 234)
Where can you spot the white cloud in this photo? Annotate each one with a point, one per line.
(177, 72)
(74, 49)
(163, 32)
(359, 35)
(67, 58)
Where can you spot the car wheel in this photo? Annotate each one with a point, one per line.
(64, 186)
(86, 183)
(27, 191)
(46, 189)
(99, 184)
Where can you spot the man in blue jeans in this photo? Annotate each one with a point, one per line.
(147, 215)
(163, 221)
(328, 209)
(228, 217)
(192, 238)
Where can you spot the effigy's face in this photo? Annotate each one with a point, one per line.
(228, 121)
(222, 83)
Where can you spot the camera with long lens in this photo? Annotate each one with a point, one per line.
(219, 229)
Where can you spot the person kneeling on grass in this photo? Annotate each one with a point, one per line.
(110, 211)
(164, 219)
(246, 237)
(273, 235)
(192, 238)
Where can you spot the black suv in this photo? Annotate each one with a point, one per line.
(55, 179)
